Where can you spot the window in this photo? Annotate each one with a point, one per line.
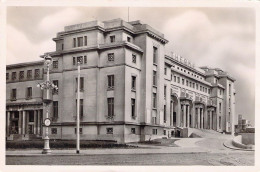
(164, 113)
(229, 102)
(197, 86)
(155, 54)
(174, 78)
(29, 93)
(190, 84)
(178, 79)
(165, 89)
(133, 58)
(200, 88)
(74, 42)
(133, 108)
(85, 40)
(37, 73)
(229, 89)
(80, 59)
(13, 94)
(164, 132)
(171, 77)
(81, 84)
(165, 71)
(81, 110)
(110, 102)
(128, 39)
(55, 109)
(21, 75)
(219, 91)
(55, 64)
(133, 130)
(110, 57)
(154, 100)
(74, 60)
(111, 80)
(133, 83)
(219, 107)
(154, 131)
(109, 130)
(154, 78)
(219, 122)
(209, 90)
(31, 117)
(80, 131)
(62, 46)
(55, 91)
(13, 75)
(112, 38)
(80, 41)
(193, 84)
(85, 60)
(53, 130)
(7, 76)
(29, 74)
(187, 82)
(206, 90)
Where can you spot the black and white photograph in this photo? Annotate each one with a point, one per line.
(130, 86)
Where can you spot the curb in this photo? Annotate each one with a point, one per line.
(233, 147)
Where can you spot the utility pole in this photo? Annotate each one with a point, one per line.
(78, 102)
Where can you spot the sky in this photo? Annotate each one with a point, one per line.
(213, 37)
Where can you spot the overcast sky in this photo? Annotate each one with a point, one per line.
(214, 37)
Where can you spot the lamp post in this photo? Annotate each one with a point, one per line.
(47, 85)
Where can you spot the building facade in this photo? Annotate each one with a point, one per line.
(130, 89)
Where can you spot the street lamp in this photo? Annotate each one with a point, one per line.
(47, 85)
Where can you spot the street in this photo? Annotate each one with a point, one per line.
(205, 159)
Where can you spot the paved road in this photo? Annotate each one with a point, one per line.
(205, 159)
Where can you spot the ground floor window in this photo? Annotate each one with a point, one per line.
(164, 132)
(80, 131)
(154, 131)
(54, 131)
(219, 122)
(109, 130)
(133, 130)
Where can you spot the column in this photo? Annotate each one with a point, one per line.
(193, 123)
(8, 124)
(202, 119)
(34, 121)
(184, 115)
(178, 118)
(39, 122)
(199, 117)
(20, 123)
(210, 115)
(188, 115)
(24, 113)
(171, 109)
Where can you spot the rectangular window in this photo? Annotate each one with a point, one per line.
(164, 132)
(200, 88)
(55, 64)
(171, 77)
(80, 59)
(219, 107)
(81, 110)
(155, 51)
(13, 75)
(229, 89)
(29, 74)
(62, 46)
(187, 83)
(29, 93)
(174, 78)
(55, 109)
(209, 90)
(85, 40)
(112, 38)
(80, 41)
(154, 78)
(110, 79)
(31, 117)
(74, 60)
(133, 58)
(164, 113)
(165, 89)
(219, 122)
(13, 94)
(110, 57)
(80, 130)
(109, 130)
(197, 86)
(133, 83)
(74, 42)
(165, 71)
(128, 39)
(154, 100)
(154, 131)
(7, 76)
(81, 84)
(178, 79)
(21, 75)
(37, 73)
(190, 84)
(110, 102)
(133, 130)
(133, 108)
(55, 82)
(85, 60)
(53, 130)
(193, 85)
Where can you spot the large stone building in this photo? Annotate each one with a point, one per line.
(130, 89)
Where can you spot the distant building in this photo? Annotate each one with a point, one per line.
(243, 125)
(131, 90)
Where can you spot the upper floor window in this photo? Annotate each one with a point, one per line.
(55, 91)
(133, 107)
(85, 59)
(62, 46)
(13, 75)
(193, 85)
(219, 91)
(154, 100)
(174, 78)
(182, 81)
(133, 58)
(197, 86)
(165, 71)
(178, 79)
(80, 41)
(13, 94)
(229, 89)
(128, 39)
(155, 54)
(74, 42)
(112, 38)
(110, 79)
(110, 57)
(7, 76)
(209, 90)
(81, 111)
(29, 93)
(219, 107)
(21, 75)
(37, 73)
(133, 83)
(187, 83)
(29, 74)
(55, 109)
(81, 84)
(110, 103)
(165, 89)
(154, 78)
(85, 40)
(55, 64)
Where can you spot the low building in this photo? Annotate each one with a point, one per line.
(130, 89)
